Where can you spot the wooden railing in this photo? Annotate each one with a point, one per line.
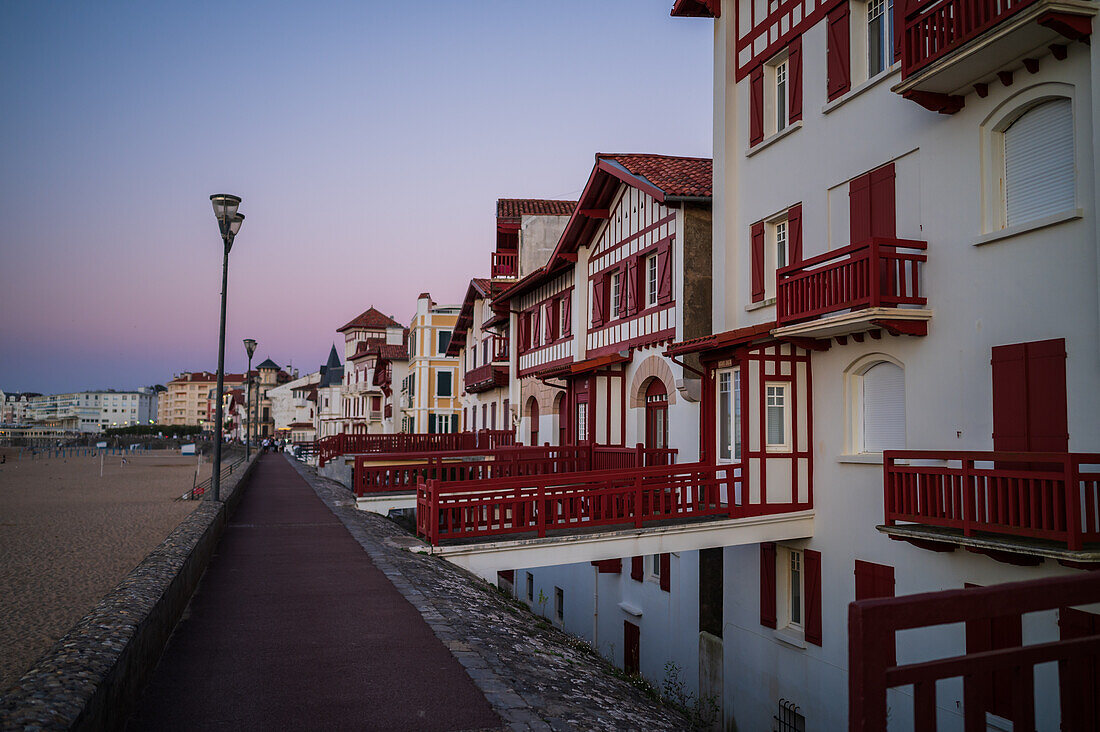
(872, 273)
(486, 376)
(403, 471)
(504, 264)
(872, 632)
(936, 27)
(539, 504)
(499, 347)
(349, 444)
(1030, 494)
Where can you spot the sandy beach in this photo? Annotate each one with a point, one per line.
(68, 536)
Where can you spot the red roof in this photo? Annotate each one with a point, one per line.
(370, 319)
(674, 176)
(510, 208)
(387, 351)
(697, 8)
(725, 339)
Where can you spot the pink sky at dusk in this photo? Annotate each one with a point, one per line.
(369, 142)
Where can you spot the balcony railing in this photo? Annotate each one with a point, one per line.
(935, 28)
(404, 471)
(538, 504)
(486, 377)
(873, 626)
(505, 265)
(348, 444)
(1037, 495)
(873, 273)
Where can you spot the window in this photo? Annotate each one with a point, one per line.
(582, 422)
(444, 340)
(1039, 169)
(777, 417)
(775, 93)
(613, 296)
(563, 316)
(651, 281)
(443, 384)
(780, 95)
(794, 590)
(882, 408)
(530, 586)
(880, 36)
(729, 415)
(559, 604)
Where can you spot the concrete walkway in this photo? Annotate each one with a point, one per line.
(293, 627)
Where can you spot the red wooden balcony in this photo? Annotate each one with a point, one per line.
(950, 45)
(349, 444)
(990, 677)
(498, 344)
(561, 503)
(385, 473)
(505, 265)
(485, 377)
(878, 275)
(1047, 496)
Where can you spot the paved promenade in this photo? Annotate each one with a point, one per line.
(293, 627)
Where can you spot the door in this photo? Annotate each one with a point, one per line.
(534, 422)
(656, 415)
(632, 639)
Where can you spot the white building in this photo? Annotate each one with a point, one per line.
(93, 411)
(292, 407)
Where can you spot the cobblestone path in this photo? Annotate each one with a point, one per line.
(293, 627)
(536, 677)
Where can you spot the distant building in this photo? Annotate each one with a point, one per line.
(87, 411)
(329, 407)
(430, 392)
(14, 408)
(186, 398)
(361, 399)
(294, 407)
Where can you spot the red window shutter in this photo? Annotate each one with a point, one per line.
(597, 301)
(875, 580)
(794, 234)
(664, 275)
(794, 82)
(535, 325)
(758, 261)
(859, 208)
(1009, 408)
(1048, 426)
(767, 584)
(555, 318)
(756, 105)
(521, 327)
(839, 52)
(609, 566)
(666, 568)
(631, 286)
(883, 203)
(637, 568)
(567, 322)
(507, 574)
(813, 596)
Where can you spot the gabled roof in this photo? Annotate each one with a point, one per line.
(697, 8)
(371, 319)
(512, 208)
(669, 179)
(268, 364)
(480, 288)
(379, 348)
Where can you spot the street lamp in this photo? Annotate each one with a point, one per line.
(250, 348)
(229, 223)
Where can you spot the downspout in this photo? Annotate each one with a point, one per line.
(683, 365)
(596, 609)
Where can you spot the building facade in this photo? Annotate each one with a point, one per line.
(429, 401)
(186, 398)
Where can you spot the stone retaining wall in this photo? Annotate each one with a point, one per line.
(92, 677)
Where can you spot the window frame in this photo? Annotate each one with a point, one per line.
(652, 279)
(441, 347)
(736, 446)
(614, 288)
(772, 75)
(450, 384)
(885, 35)
(785, 387)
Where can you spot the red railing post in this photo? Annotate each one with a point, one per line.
(970, 495)
(637, 501)
(887, 493)
(874, 265)
(1073, 505)
(540, 506)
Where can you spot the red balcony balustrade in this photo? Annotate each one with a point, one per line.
(539, 504)
(350, 444)
(990, 677)
(872, 273)
(935, 28)
(385, 472)
(499, 347)
(486, 376)
(1037, 495)
(504, 265)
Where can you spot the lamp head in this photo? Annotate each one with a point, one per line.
(250, 346)
(225, 205)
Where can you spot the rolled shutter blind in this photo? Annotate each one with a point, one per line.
(883, 408)
(1039, 164)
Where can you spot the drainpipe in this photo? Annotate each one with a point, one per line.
(596, 609)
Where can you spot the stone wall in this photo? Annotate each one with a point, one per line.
(92, 677)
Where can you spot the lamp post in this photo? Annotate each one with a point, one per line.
(229, 223)
(250, 348)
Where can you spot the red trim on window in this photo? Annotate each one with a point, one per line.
(664, 274)
(839, 52)
(883, 203)
(758, 261)
(756, 105)
(812, 564)
(794, 80)
(794, 234)
(767, 584)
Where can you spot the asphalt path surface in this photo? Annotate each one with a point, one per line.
(293, 627)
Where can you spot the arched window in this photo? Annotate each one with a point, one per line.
(1039, 162)
(533, 410)
(882, 408)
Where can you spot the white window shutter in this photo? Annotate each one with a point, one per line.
(1039, 163)
(883, 408)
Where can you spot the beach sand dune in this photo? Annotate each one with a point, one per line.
(67, 537)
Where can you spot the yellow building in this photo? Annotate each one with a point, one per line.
(186, 400)
(429, 394)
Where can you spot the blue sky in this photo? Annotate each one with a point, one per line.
(369, 141)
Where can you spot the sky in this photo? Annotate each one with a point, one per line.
(368, 140)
